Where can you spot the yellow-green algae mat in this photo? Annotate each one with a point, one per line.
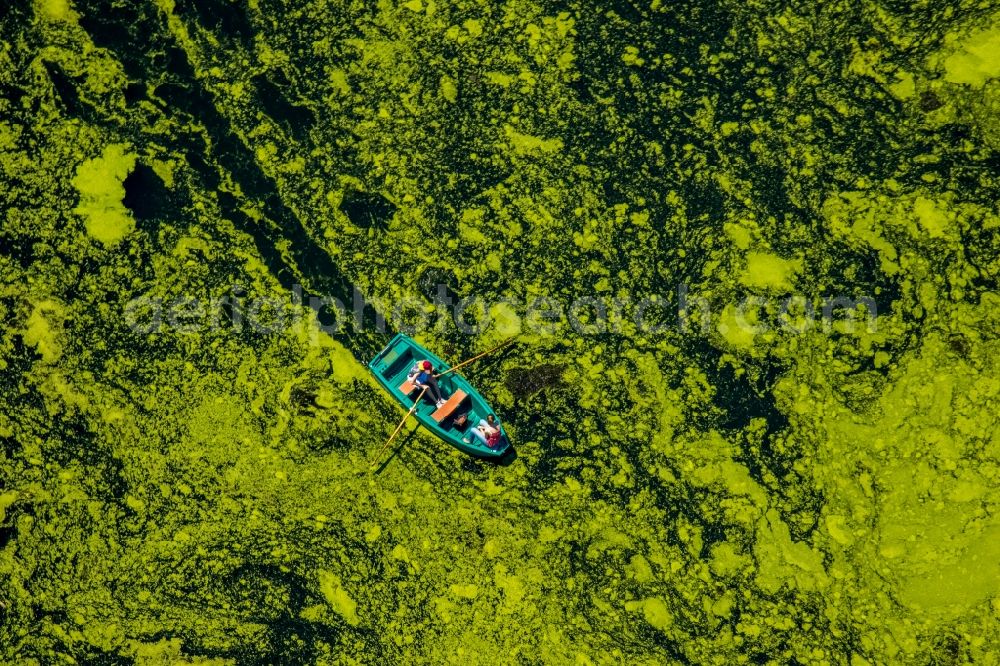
(718, 493)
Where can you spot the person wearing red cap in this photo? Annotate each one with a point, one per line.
(422, 375)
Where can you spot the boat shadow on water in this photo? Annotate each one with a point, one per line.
(396, 449)
(508, 457)
(479, 463)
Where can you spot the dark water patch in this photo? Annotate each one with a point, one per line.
(769, 188)
(556, 463)
(682, 504)
(20, 248)
(135, 92)
(111, 24)
(711, 534)
(20, 358)
(148, 197)
(628, 11)
(367, 210)
(860, 390)
(705, 200)
(267, 595)
(982, 248)
(178, 97)
(69, 440)
(475, 177)
(15, 13)
(929, 101)
(581, 87)
(173, 61)
(742, 398)
(857, 273)
(324, 443)
(804, 504)
(967, 177)
(434, 283)
(231, 210)
(303, 398)
(66, 91)
(535, 422)
(133, 252)
(525, 382)
(297, 641)
(614, 192)
(8, 446)
(959, 345)
(641, 638)
(295, 118)
(209, 177)
(264, 593)
(8, 311)
(84, 268)
(225, 18)
(866, 146)
(953, 135)
(473, 466)
(12, 94)
(632, 171)
(949, 647)
(679, 29)
(636, 637)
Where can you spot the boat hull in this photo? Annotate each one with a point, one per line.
(390, 367)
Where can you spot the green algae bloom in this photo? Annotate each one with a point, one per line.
(755, 403)
(101, 193)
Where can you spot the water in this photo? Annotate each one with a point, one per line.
(679, 495)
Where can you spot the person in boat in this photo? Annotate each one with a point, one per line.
(487, 432)
(422, 375)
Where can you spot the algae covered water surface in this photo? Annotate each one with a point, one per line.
(748, 252)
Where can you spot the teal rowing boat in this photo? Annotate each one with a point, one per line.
(454, 420)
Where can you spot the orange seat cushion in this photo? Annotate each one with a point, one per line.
(447, 408)
(407, 387)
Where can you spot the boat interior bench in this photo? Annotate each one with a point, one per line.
(449, 406)
(445, 410)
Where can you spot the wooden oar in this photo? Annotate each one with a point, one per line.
(398, 428)
(502, 344)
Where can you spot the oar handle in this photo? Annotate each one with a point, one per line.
(400, 426)
(463, 363)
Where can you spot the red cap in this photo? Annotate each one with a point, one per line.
(427, 365)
